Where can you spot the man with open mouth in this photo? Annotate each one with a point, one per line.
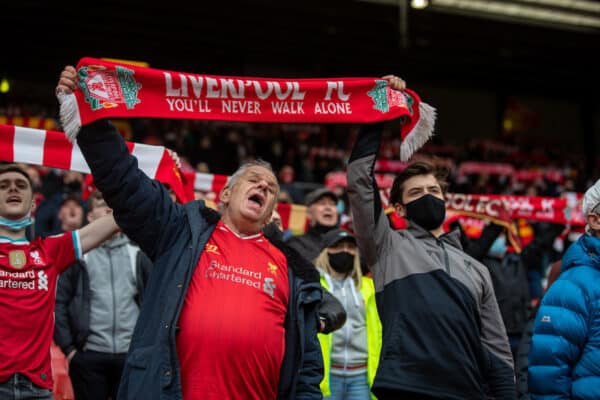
(227, 313)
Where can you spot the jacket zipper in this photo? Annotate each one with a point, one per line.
(446, 259)
(112, 286)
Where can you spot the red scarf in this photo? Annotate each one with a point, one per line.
(114, 90)
(557, 210)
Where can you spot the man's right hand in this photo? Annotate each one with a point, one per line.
(67, 82)
(395, 82)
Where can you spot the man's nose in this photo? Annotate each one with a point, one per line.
(263, 184)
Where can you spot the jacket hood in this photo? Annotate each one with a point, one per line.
(585, 251)
(118, 240)
(452, 238)
(210, 215)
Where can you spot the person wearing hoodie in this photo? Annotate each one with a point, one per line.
(351, 354)
(97, 306)
(564, 358)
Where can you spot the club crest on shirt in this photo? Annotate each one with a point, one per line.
(272, 268)
(17, 259)
(269, 287)
(37, 259)
(212, 248)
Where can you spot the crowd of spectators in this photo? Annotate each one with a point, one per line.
(304, 154)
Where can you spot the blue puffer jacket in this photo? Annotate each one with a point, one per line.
(564, 361)
(173, 236)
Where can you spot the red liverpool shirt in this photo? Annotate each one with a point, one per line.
(28, 275)
(231, 329)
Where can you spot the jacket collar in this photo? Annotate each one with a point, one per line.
(585, 251)
(210, 216)
(452, 238)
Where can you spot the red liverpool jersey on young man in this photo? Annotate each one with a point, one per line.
(28, 275)
(231, 329)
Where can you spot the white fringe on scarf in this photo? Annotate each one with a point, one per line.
(421, 133)
(69, 115)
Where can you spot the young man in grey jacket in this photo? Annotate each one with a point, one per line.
(97, 306)
(443, 336)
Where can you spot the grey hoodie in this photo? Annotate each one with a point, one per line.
(113, 309)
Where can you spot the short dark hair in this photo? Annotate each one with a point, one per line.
(414, 169)
(15, 168)
(96, 195)
(74, 197)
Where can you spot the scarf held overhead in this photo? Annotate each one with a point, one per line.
(114, 90)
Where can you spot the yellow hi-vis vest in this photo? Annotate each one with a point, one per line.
(373, 325)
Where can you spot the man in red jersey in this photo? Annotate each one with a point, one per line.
(28, 275)
(227, 313)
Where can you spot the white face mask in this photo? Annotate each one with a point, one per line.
(16, 225)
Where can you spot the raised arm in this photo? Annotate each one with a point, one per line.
(96, 232)
(478, 248)
(371, 225)
(142, 206)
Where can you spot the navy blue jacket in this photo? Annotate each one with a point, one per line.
(173, 236)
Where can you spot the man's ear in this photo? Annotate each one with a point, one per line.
(225, 195)
(593, 221)
(400, 209)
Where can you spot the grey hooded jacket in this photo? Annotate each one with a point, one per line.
(443, 334)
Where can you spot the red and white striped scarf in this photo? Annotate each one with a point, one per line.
(52, 149)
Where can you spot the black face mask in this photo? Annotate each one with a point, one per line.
(427, 211)
(342, 262)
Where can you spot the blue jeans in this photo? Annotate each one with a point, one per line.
(19, 387)
(349, 387)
